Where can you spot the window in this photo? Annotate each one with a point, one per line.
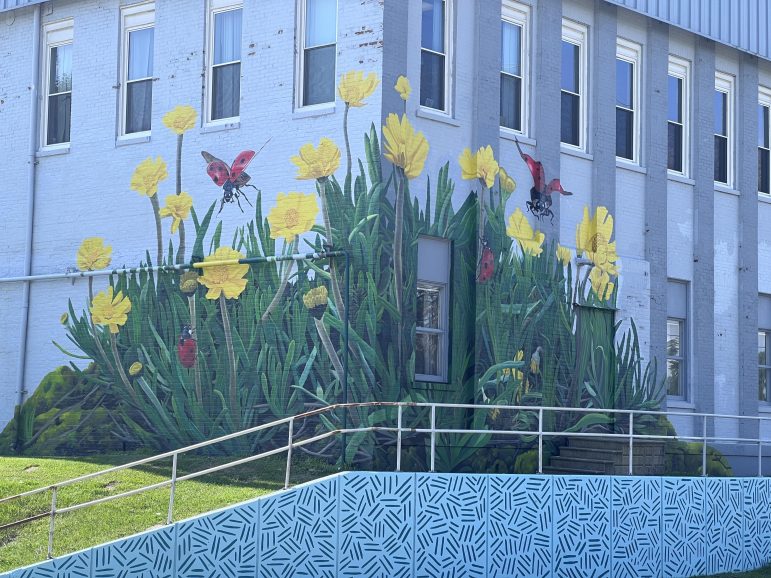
(764, 366)
(764, 143)
(434, 54)
(514, 64)
(677, 342)
(317, 64)
(58, 84)
(627, 99)
(724, 84)
(573, 83)
(136, 94)
(677, 115)
(224, 60)
(432, 318)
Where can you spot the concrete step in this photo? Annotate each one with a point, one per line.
(590, 466)
(568, 471)
(606, 455)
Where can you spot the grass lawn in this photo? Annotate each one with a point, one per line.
(762, 573)
(81, 529)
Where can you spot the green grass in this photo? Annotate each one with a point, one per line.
(94, 525)
(760, 573)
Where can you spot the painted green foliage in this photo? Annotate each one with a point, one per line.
(180, 357)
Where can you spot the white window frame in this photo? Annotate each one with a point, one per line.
(681, 68)
(765, 368)
(631, 52)
(449, 78)
(133, 18)
(300, 52)
(438, 279)
(726, 83)
(519, 15)
(216, 7)
(578, 34)
(55, 34)
(764, 99)
(684, 317)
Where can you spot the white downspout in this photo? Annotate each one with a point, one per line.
(31, 169)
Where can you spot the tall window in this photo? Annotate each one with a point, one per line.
(723, 128)
(434, 54)
(319, 38)
(137, 68)
(677, 115)
(224, 60)
(764, 142)
(627, 99)
(514, 50)
(432, 319)
(573, 83)
(764, 366)
(58, 84)
(677, 342)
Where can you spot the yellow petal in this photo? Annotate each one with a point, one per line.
(468, 164)
(180, 119)
(403, 87)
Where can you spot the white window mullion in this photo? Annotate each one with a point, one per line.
(57, 84)
(724, 129)
(223, 74)
(515, 67)
(432, 323)
(764, 140)
(628, 61)
(436, 55)
(678, 116)
(137, 48)
(317, 52)
(574, 84)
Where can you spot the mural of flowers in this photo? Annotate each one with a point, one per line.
(317, 162)
(353, 88)
(593, 239)
(481, 165)
(178, 208)
(93, 254)
(110, 310)
(403, 87)
(519, 229)
(315, 300)
(564, 254)
(508, 184)
(148, 174)
(601, 283)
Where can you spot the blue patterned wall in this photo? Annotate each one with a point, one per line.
(451, 525)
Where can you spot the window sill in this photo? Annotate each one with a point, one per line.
(764, 408)
(220, 126)
(630, 166)
(436, 115)
(512, 135)
(314, 110)
(680, 178)
(679, 404)
(574, 152)
(53, 151)
(764, 198)
(727, 190)
(130, 139)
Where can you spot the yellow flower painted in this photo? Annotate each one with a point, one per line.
(564, 254)
(508, 184)
(147, 175)
(227, 279)
(529, 240)
(135, 369)
(180, 119)
(188, 283)
(403, 87)
(64, 319)
(110, 309)
(315, 300)
(481, 165)
(178, 208)
(317, 163)
(294, 214)
(404, 147)
(93, 254)
(593, 239)
(601, 283)
(354, 87)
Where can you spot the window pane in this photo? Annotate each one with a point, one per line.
(59, 118)
(139, 105)
(319, 75)
(227, 36)
(624, 133)
(432, 35)
(762, 126)
(624, 81)
(427, 353)
(432, 80)
(140, 64)
(675, 152)
(320, 22)
(428, 307)
(226, 91)
(762, 348)
(675, 99)
(763, 171)
(721, 100)
(511, 102)
(570, 118)
(61, 69)
(763, 384)
(570, 55)
(674, 335)
(721, 159)
(674, 384)
(511, 48)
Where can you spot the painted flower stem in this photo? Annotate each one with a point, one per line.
(398, 262)
(347, 142)
(235, 407)
(321, 187)
(124, 378)
(196, 368)
(158, 229)
(284, 281)
(328, 347)
(181, 248)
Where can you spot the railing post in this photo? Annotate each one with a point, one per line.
(51, 524)
(289, 453)
(540, 440)
(170, 514)
(704, 446)
(631, 444)
(399, 438)
(433, 437)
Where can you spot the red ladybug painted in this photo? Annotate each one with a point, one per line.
(187, 348)
(486, 264)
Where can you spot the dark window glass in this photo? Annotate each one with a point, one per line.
(721, 119)
(511, 102)
(139, 99)
(570, 118)
(721, 159)
(61, 69)
(432, 33)
(763, 367)
(571, 101)
(675, 99)
(675, 149)
(319, 75)
(432, 80)
(763, 171)
(624, 133)
(675, 358)
(60, 95)
(570, 67)
(624, 84)
(763, 126)
(226, 91)
(226, 73)
(511, 75)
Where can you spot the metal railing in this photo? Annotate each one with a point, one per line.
(399, 429)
